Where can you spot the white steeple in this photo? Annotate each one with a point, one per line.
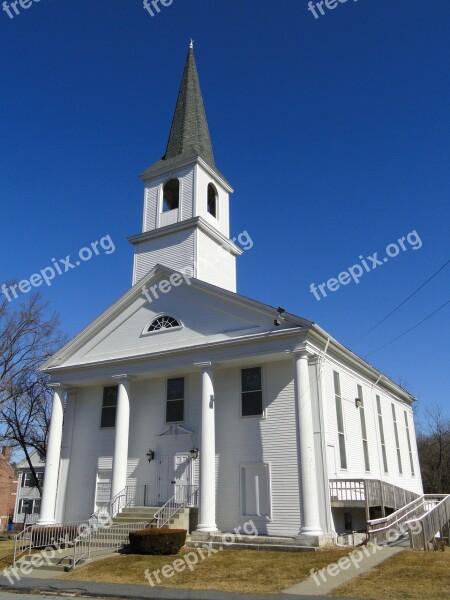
(186, 205)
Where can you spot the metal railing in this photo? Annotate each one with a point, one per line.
(185, 495)
(45, 536)
(93, 541)
(432, 522)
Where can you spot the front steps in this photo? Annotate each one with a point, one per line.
(138, 514)
(233, 541)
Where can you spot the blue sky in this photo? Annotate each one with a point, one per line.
(333, 131)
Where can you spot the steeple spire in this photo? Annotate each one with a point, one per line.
(189, 134)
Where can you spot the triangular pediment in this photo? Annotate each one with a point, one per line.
(206, 314)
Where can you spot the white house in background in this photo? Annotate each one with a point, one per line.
(28, 498)
(293, 429)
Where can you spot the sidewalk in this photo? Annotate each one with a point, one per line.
(130, 592)
(310, 587)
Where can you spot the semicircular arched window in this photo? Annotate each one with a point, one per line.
(163, 322)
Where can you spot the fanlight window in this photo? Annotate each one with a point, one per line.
(163, 322)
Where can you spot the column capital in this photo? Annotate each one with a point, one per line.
(58, 386)
(303, 351)
(122, 377)
(206, 365)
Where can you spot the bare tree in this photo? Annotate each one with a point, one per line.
(434, 451)
(28, 335)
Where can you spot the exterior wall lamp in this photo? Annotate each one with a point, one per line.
(150, 455)
(194, 453)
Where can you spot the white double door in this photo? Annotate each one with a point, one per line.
(175, 474)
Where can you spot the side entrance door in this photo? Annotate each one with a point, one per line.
(174, 474)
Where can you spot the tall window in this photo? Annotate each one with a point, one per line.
(362, 417)
(251, 392)
(109, 407)
(383, 443)
(175, 400)
(212, 200)
(340, 420)
(171, 198)
(411, 460)
(397, 441)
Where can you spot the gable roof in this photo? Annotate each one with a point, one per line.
(251, 320)
(255, 318)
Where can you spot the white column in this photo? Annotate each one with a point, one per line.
(66, 449)
(120, 460)
(207, 492)
(52, 459)
(305, 438)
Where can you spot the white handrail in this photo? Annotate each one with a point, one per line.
(189, 495)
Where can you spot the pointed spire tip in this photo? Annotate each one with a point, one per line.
(191, 45)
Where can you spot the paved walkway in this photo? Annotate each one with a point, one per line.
(128, 592)
(326, 580)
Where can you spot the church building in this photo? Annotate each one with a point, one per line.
(186, 394)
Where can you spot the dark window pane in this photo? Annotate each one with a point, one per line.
(110, 396)
(175, 389)
(108, 417)
(337, 383)
(251, 379)
(252, 404)
(340, 419)
(174, 411)
(342, 452)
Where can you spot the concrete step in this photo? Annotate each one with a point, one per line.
(141, 509)
(254, 546)
(258, 540)
(124, 519)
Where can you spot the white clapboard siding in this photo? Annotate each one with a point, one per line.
(172, 250)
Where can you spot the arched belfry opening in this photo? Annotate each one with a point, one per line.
(212, 200)
(171, 197)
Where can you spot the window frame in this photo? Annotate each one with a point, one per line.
(162, 211)
(382, 435)
(267, 518)
(363, 427)
(408, 437)
(340, 434)
(176, 400)
(216, 205)
(397, 439)
(108, 427)
(162, 330)
(263, 398)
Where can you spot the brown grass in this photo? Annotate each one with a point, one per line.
(245, 571)
(411, 575)
(6, 553)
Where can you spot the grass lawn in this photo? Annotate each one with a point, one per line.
(411, 575)
(6, 553)
(245, 571)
